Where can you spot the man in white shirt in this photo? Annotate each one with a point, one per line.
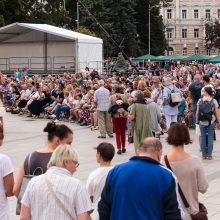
(96, 180)
(101, 99)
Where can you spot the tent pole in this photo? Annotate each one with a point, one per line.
(45, 52)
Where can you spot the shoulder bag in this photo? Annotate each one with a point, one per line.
(202, 214)
(25, 181)
(57, 200)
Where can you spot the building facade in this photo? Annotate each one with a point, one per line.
(185, 21)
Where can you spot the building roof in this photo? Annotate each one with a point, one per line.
(17, 29)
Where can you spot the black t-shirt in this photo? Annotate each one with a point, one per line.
(195, 89)
(38, 163)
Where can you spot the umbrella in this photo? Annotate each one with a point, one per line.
(145, 58)
(197, 57)
(215, 60)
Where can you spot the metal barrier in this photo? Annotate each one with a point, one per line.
(18, 63)
(38, 63)
(4, 65)
(64, 63)
(55, 64)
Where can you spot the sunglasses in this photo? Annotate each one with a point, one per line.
(154, 82)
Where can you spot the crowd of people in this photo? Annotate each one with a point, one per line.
(143, 107)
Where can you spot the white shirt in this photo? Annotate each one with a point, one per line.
(6, 168)
(67, 188)
(101, 97)
(95, 184)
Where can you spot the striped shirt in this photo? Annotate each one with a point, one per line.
(68, 189)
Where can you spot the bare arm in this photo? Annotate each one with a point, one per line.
(9, 184)
(84, 216)
(18, 180)
(197, 115)
(25, 213)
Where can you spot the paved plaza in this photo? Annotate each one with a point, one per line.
(23, 135)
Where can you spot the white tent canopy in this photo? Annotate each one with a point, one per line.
(47, 48)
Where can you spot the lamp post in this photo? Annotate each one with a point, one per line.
(64, 5)
(77, 12)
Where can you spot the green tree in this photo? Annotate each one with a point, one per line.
(158, 41)
(121, 65)
(212, 37)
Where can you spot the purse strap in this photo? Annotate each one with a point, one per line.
(57, 200)
(185, 202)
(29, 163)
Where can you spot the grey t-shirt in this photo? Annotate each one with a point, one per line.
(215, 105)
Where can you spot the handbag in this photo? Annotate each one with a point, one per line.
(25, 181)
(202, 214)
(57, 200)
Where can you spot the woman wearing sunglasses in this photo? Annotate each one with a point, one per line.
(57, 194)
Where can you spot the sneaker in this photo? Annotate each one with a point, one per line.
(209, 158)
(119, 152)
(101, 136)
(53, 116)
(94, 128)
(123, 150)
(56, 121)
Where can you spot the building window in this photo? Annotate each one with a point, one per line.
(184, 51)
(169, 13)
(184, 14)
(196, 50)
(169, 34)
(208, 51)
(196, 14)
(184, 33)
(208, 14)
(218, 13)
(196, 33)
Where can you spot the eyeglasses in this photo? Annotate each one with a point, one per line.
(76, 163)
(154, 82)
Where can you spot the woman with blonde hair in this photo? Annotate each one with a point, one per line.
(62, 196)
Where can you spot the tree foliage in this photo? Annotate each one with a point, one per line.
(213, 34)
(125, 21)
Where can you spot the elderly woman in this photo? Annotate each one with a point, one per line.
(140, 116)
(62, 196)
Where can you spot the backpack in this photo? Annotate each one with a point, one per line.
(197, 87)
(174, 98)
(206, 110)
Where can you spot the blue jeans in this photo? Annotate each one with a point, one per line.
(170, 119)
(61, 108)
(194, 109)
(207, 139)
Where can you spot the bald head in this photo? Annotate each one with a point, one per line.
(150, 144)
(150, 147)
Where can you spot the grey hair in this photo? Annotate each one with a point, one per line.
(139, 95)
(150, 144)
(62, 152)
